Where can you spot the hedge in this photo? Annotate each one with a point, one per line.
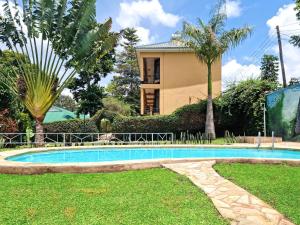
(71, 126)
(92, 125)
(187, 118)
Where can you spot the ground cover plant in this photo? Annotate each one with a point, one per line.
(155, 196)
(277, 185)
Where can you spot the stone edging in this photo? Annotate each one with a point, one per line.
(10, 167)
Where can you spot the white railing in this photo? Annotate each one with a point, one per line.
(14, 139)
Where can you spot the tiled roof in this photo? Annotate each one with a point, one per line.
(163, 45)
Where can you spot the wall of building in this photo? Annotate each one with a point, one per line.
(183, 79)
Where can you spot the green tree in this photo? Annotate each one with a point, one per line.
(61, 39)
(241, 106)
(66, 102)
(210, 41)
(295, 39)
(9, 63)
(269, 68)
(117, 106)
(126, 85)
(86, 87)
(91, 100)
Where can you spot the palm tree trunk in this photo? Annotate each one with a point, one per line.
(39, 130)
(209, 124)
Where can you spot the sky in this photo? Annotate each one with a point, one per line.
(157, 20)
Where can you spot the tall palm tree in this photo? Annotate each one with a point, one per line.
(210, 41)
(61, 38)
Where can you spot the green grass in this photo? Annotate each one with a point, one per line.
(278, 185)
(155, 196)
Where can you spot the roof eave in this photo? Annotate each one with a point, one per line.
(163, 50)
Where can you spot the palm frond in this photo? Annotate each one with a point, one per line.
(232, 38)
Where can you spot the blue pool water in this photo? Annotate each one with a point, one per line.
(116, 154)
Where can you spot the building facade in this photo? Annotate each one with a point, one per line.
(172, 76)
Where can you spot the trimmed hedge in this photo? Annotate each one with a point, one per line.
(187, 118)
(92, 125)
(72, 126)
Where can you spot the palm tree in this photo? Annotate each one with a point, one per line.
(210, 41)
(60, 38)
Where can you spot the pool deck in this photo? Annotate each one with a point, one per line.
(11, 167)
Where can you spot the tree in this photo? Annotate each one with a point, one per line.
(295, 39)
(66, 102)
(117, 106)
(210, 41)
(126, 85)
(86, 87)
(269, 68)
(61, 39)
(294, 81)
(91, 100)
(241, 107)
(8, 64)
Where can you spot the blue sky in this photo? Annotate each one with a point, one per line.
(158, 19)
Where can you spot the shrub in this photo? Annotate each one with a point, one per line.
(189, 117)
(115, 105)
(71, 126)
(7, 124)
(92, 125)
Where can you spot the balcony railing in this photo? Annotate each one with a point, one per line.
(150, 81)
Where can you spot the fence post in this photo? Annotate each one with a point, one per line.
(152, 138)
(273, 140)
(64, 139)
(258, 139)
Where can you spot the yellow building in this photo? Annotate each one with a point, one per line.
(172, 76)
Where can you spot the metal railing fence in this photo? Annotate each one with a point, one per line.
(65, 139)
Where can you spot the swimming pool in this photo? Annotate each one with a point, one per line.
(121, 154)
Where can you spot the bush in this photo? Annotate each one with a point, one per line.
(7, 124)
(189, 117)
(72, 126)
(92, 125)
(115, 105)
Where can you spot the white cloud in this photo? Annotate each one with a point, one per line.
(286, 19)
(233, 72)
(132, 14)
(233, 8)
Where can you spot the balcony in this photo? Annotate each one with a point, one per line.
(151, 101)
(151, 71)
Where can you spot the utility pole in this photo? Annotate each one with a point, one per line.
(281, 57)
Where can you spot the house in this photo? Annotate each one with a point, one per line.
(56, 114)
(172, 76)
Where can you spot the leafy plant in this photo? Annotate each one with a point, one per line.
(7, 124)
(295, 39)
(60, 38)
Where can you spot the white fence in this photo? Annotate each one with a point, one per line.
(65, 139)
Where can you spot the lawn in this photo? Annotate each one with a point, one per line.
(278, 185)
(155, 196)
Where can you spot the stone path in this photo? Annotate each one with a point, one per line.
(233, 202)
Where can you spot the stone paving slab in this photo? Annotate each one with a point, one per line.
(232, 201)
